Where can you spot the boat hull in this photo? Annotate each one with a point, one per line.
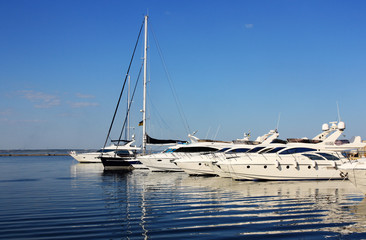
(284, 172)
(356, 172)
(196, 168)
(116, 163)
(86, 157)
(160, 162)
(358, 178)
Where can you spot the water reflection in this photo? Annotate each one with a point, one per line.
(85, 169)
(154, 205)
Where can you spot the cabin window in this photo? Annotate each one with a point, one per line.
(196, 149)
(169, 150)
(105, 150)
(256, 149)
(313, 156)
(297, 150)
(122, 153)
(265, 150)
(223, 150)
(276, 150)
(238, 150)
(329, 156)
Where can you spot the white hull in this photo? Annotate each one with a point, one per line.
(356, 173)
(205, 164)
(92, 157)
(285, 168)
(288, 172)
(160, 162)
(358, 178)
(196, 168)
(222, 171)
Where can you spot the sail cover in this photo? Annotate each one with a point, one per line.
(150, 140)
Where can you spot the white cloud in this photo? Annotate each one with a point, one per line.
(21, 121)
(83, 104)
(6, 112)
(80, 95)
(249, 25)
(40, 99)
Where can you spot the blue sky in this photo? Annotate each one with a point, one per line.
(236, 66)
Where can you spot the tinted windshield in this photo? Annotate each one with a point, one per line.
(329, 156)
(256, 149)
(297, 150)
(238, 150)
(275, 150)
(196, 149)
(313, 156)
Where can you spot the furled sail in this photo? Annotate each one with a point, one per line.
(150, 140)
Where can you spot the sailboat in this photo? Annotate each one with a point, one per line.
(126, 160)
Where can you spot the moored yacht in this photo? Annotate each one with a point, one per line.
(89, 157)
(94, 157)
(297, 160)
(164, 161)
(201, 164)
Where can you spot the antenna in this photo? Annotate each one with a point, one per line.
(339, 115)
(278, 121)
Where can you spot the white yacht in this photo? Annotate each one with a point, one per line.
(201, 164)
(221, 166)
(355, 171)
(93, 157)
(164, 161)
(299, 159)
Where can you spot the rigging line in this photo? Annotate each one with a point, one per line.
(156, 111)
(179, 105)
(217, 131)
(130, 103)
(124, 83)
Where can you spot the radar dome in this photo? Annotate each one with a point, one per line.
(325, 127)
(341, 126)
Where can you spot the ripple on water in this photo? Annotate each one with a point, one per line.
(81, 201)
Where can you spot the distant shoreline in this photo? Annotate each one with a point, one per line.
(31, 155)
(39, 152)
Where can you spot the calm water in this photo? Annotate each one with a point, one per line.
(57, 198)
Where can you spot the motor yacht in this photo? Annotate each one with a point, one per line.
(164, 161)
(201, 164)
(94, 157)
(298, 159)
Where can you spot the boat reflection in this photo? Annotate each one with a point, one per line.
(159, 205)
(85, 169)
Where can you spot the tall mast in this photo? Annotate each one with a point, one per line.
(144, 98)
(128, 105)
